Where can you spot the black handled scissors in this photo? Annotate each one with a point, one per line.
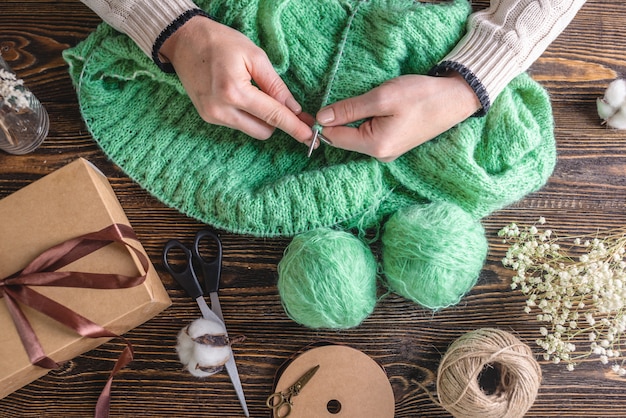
(280, 402)
(211, 270)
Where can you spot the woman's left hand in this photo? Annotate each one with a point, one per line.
(400, 114)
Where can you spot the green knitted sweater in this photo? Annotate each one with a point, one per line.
(143, 120)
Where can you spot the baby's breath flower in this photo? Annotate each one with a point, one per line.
(12, 91)
(578, 291)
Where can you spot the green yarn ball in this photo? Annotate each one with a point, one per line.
(433, 254)
(327, 279)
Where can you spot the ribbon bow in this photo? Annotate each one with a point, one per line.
(42, 272)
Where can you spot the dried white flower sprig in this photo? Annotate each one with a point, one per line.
(12, 90)
(578, 291)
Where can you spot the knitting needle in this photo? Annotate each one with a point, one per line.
(321, 137)
(313, 142)
(324, 139)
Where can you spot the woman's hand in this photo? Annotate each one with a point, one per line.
(400, 114)
(217, 64)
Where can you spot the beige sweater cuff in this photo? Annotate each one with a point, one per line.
(141, 20)
(505, 39)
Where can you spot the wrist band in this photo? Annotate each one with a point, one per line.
(471, 79)
(168, 31)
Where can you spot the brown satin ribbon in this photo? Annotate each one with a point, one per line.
(42, 272)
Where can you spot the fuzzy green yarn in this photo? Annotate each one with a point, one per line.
(327, 279)
(146, 124)
(432, 254)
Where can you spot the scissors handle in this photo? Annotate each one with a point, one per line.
(280, 404)
(211, 268)
(185, 277)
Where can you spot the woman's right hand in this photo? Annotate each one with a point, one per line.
(217, 65)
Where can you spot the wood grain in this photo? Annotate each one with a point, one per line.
(586, 192)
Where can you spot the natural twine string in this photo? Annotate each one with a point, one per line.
(488, 373)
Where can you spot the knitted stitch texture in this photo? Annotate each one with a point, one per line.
(146, 124)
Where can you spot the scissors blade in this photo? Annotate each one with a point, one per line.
(231, 366)
(215, 305)
(206, 312)
(307, 376)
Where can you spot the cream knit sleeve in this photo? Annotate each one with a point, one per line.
(142, 20)
(505, 39)
(502, 41)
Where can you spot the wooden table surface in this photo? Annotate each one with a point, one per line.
(587, 191)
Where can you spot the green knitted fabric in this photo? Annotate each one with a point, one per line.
(146, 124)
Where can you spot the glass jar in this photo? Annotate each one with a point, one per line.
(23, 120)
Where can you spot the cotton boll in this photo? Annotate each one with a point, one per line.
(616, 93)
(199, 371)
(212, 355)
(612, 107)
(605, 110)
(211, 346)
(184, 348)
(203, 347)
(202, 326)
(618, 120)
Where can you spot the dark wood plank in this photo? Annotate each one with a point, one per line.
(587, 192)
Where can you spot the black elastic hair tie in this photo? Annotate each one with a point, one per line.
(470, 78)
(168, 31)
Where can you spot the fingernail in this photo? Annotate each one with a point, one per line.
(326, 115)
(293, 105)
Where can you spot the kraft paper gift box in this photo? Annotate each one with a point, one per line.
(74, 200)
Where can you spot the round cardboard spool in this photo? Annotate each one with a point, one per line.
(348, 384)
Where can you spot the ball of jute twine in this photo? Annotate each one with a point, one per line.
(488, 373)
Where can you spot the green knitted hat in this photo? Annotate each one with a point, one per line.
(143, 120)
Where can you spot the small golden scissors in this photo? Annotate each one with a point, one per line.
(281, 403)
